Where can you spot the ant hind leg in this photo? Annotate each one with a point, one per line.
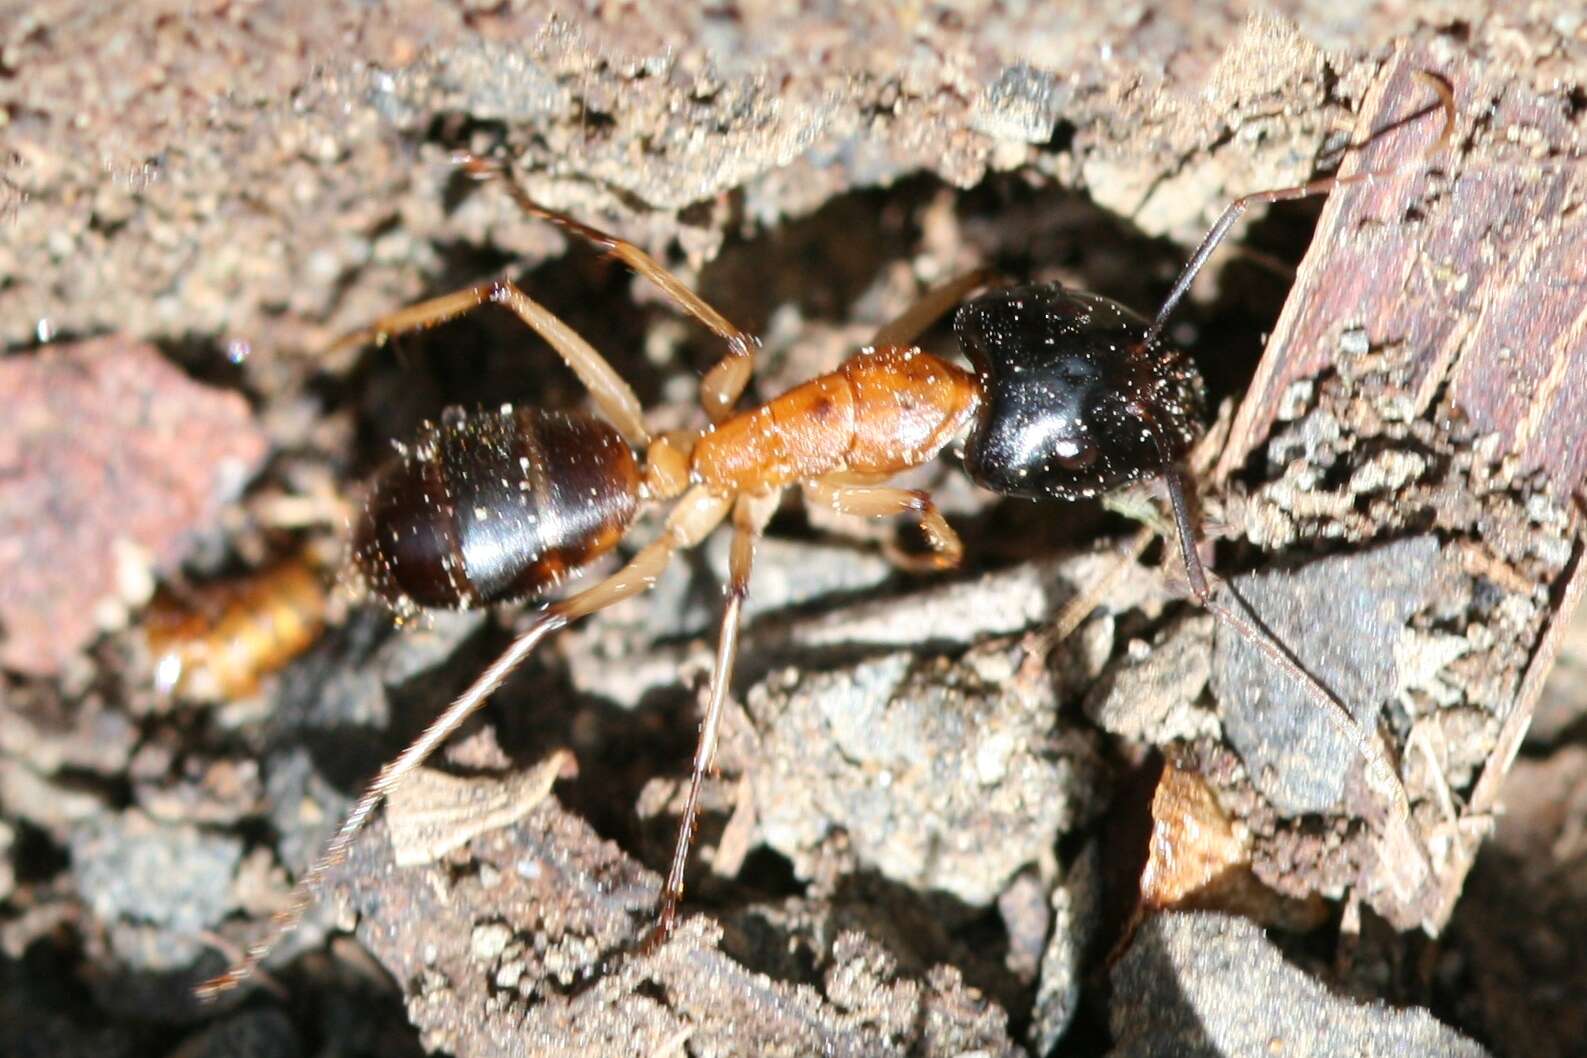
(690, 521)
(611, 394)
(750, 515)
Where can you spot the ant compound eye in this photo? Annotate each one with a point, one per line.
(1076, 401)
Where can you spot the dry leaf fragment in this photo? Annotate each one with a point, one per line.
(1193, 843)
(431, 813)
(1200, 859)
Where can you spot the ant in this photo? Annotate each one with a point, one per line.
(1071, 396)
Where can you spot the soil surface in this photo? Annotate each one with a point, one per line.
(937, 827)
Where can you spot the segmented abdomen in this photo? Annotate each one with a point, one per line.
(491, 506)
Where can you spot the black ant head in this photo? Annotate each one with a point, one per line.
(1076, 398)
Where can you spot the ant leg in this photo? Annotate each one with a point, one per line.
(915, 320)
(689, 522)
(1077, 609)
(1380, 773)
(724, 383)
(846, 495)
(611, 394)
(750, 515)
(1322, 186)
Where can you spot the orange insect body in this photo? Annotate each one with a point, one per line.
(223, 641)
(880, 412)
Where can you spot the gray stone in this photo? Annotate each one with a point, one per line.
(1200, 985)
(128, 866)
(1341, 617)
(944, 774)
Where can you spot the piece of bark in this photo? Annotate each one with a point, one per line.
(1427, 375)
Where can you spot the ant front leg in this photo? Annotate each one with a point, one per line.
(932, 306)
(750, 515)
(848, 494)
(1244, 622)
(695, 515)
(724, 383)
(613, 396)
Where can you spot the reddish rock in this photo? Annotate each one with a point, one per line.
(110, 457)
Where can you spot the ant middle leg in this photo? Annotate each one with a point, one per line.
(750, 515)
(690, 521)
(861, 495)
(725, 382)
(613, 396)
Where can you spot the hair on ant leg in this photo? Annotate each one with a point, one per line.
(1070, 395)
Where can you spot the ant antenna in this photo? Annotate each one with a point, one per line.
(1321, 186)
(1243, 621)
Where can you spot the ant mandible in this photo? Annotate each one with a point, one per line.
(1071, 395)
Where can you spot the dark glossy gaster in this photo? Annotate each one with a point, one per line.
(491, 506)
(1077, 397)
